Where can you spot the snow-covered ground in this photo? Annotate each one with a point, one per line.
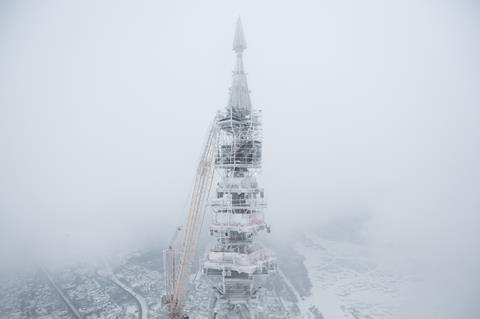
(349, 283)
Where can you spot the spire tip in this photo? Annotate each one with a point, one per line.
(239, 43)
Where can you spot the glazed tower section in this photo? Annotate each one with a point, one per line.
(237, 265)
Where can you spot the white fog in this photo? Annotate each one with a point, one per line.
(370, 131)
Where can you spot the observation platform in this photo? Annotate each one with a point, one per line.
(253, 263)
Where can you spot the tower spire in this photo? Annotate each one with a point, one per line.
(237, 266)
(239, 92)
(239, 43)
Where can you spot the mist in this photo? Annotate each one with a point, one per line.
(370, 109)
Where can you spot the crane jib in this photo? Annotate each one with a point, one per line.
(196, 214)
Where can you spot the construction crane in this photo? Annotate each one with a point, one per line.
(172, 241)
(170, 267)
(196, 213)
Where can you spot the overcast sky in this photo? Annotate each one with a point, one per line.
(370, 107)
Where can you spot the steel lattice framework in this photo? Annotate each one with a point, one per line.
(177, 281)
(237, 265)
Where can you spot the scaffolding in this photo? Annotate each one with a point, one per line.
(236, 265)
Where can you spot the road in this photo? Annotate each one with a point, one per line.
(62, 294)
(142, 304)
(302, 304)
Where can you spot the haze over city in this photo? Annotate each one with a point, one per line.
(370, 113)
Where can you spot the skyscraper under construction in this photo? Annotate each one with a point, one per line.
(237, 265)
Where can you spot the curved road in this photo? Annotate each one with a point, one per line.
(142, 304)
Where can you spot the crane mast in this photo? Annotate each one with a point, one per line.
(193, 227)
(170, 267)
